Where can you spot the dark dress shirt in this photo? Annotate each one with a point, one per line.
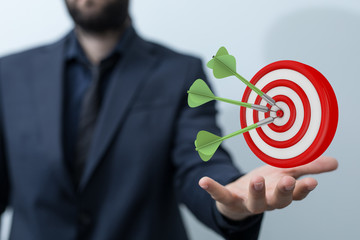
(78, 75)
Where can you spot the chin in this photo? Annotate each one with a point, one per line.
(98, 15)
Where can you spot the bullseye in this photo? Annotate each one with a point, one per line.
(279, 113)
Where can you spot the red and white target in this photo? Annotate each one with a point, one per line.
(307, 119)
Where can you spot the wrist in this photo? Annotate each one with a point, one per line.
(233, 214)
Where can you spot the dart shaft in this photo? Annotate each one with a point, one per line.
(264, 96)
(268, 99)
(248, 128)
(250, 85)
(265, 121)
(247, 105)
(260, 108)
(243, 130)
(238, 103)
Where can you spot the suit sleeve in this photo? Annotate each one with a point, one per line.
(4, 182)
(190, 168)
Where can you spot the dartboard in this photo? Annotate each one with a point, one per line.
(288, 115)
(305, 114)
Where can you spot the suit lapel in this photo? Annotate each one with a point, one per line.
(48, 88)
(128, 77)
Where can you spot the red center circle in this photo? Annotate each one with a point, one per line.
(279, 113)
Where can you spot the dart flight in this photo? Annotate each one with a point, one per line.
(224, 65)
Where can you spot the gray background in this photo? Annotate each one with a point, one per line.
(324, 34)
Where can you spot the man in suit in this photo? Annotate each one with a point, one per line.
(97, 141)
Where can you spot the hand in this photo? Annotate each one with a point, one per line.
(265, 188)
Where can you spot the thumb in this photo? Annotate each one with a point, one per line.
(217, 191)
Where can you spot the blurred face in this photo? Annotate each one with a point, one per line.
(98, 16)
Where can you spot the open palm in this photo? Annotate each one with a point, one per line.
(265, 188)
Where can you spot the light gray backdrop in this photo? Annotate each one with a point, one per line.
(322, 33)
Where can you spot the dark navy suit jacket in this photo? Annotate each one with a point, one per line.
(142, 161)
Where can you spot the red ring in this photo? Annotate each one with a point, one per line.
(329, 114)
(307, 114)
(290, 122)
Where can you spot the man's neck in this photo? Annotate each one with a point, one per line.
(98, 46)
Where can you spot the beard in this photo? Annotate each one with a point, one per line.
(109, 17)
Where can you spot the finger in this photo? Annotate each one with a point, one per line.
(320, 165)
(256, 202)
(283, 193)
(217, 191)
(303, 188)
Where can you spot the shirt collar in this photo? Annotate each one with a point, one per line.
(74, 51)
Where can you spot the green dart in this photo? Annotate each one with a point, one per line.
(207, 143)
(224, 65)
(200, 93)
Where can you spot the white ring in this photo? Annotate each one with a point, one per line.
(315, 120)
